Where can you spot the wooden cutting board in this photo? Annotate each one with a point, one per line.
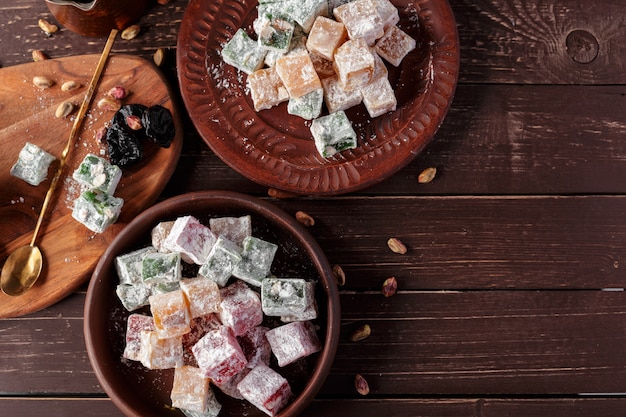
(27, 114)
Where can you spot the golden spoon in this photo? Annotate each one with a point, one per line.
(23, 266)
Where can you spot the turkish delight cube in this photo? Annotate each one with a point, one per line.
(171, 314)
(219, 355)
(235, 229)
(379, 97)
(394, 45)
(241, 308)
(298, 74)
(326, 36)
(257, 256)
(203, 296)
(97, 210)
(191, 238)
(32, 164)
(255, 346)
(157, 353)
(161, 267)
(310, 310)
(338, 98)
(159, 233)
(293, 341)
(333, 133)
(354, 64)
(380, 69)
(229, 387)
(387, 12)
(96, 172)
(243, 53)
(304, 12)
(274, 31)
(190, 389)
(266, 389)
(222, 259)
(213, 407)
(129, 265)
(323, 67)
(266, 89)
(133, 296)
(308, 106)
(136, 324)
(361, 19)
(280, 296)
(198, 326)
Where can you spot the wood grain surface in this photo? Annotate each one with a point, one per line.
(510, 299)
(27, 114)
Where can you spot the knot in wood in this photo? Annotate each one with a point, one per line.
(582, 46)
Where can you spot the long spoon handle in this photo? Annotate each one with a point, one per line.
(75, 127)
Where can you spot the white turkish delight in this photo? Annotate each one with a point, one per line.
(133, 296)
(387, 12)
(96, 172)
(274, 31)
(32, 164)
(282, 296)
(338, 98)
(308, 106)
(378, 97)
(243, 53)
(222, 259)
(213, 407)
(161, 267)
(394, 45)
(256, 260)
(293, 341)
(309, 312)
(129, 265)
(361, 19)
(333, 133)
(97, 210)
(191, 238)
(235, 229)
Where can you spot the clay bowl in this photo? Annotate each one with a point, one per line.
(97, 17)
(276, 149)
(139, 392)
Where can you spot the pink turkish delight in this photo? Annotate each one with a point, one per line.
(199, 327)
(293, 341)
(255, 346)
(266, 389)
(229, 387)
(135, 325)
(241, 308)
(191, 238)
(219, 355)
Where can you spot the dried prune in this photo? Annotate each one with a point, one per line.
(159, 125)
(124, 148)
(122, 114)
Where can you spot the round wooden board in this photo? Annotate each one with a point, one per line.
(27, 114)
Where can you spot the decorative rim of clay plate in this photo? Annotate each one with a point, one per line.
(274, 148)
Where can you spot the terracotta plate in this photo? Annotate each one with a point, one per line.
(274, 148)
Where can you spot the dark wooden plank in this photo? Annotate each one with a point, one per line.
(472, 243)
(59, 407)
(483, 343)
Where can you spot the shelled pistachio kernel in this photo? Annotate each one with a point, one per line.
(305, 218)
(396, 245)
(47, 27)
(38, 55)
(131, 32)
(117, 92)
(427, 175)
(42, 82)
(340, 276)
(69, 86)
(361, 333)
(390, 286)
(134, 122)
(158, 57)
(361, 385)
(64, 110)
(109, 104)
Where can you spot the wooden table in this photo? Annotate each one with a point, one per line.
(510, 299)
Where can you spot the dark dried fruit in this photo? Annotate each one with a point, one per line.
(159, 125)
(124, 148)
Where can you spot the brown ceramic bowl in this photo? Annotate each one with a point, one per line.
(275, 148)
(139, 392)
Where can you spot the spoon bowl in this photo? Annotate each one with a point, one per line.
(21, 270)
